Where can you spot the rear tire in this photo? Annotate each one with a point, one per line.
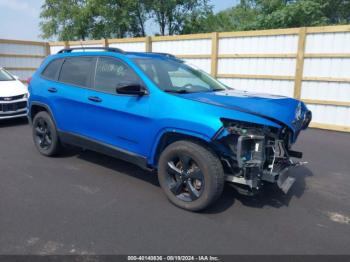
(191, 175)
(45, 134)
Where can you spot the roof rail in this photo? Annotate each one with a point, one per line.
(108, 49)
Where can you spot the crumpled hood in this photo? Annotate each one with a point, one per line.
(278, 108)
(12, 88)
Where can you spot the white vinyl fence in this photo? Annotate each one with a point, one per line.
(311, 64)
(22, 58)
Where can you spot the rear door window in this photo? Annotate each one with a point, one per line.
(77, 71)
(52, 70)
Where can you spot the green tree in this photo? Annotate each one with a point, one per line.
(172, 15)
(198, 22)
(65, 19)
(234, 18)
(110, 18)
(117, 18)
(139, 10)
(290, 14)
(268, 14)
(82, 19)
(337, 11)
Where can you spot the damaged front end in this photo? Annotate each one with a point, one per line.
(254, 154)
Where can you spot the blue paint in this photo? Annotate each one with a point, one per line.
(136, 124)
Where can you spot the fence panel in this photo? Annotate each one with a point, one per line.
(54, 49)
(260, 62)
(22, 57)
(194, 51)
(134, 47)
(277, 87)
(306, 63)
(326, 81)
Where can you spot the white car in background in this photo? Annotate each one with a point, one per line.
(13, 96)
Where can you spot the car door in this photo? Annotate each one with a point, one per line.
(68, 93)
(120, 120)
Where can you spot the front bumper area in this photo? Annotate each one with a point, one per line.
(258, 159)
(281, 178)
(13, 108)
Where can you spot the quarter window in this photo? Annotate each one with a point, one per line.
(111, 74)
(52, 70)
(77, 71)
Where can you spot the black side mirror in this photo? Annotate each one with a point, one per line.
(131, 89)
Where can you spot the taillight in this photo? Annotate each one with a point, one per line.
(28, 80)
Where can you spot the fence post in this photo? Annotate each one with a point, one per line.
(299, 68)
(105, 42)
(47, 49)
(148, 42)
(214, 54)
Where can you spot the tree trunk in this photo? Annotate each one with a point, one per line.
(141, 22)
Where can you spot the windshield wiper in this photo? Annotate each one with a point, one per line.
(182, 91)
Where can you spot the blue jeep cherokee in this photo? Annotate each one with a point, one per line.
(163, 114)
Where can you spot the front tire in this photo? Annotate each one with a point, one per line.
(45, 135)
(191, 175)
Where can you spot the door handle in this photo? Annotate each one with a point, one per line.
(52, 90)
(95, 99)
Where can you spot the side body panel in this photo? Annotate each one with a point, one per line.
(65, 103)
(131, 123)
(119, 120)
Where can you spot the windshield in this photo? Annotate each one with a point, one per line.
(4, 76)
(178, 77)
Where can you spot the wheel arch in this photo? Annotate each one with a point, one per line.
(36, 107)
(168, 137)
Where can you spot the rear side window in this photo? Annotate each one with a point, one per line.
(77, 71)
(52, 70)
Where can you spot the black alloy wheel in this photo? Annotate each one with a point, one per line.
(43, 136)
(185, 179)
(191, 175)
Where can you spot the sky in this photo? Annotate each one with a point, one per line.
(19, 19)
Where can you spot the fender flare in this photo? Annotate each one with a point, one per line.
(36, 103)
(168, 130)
